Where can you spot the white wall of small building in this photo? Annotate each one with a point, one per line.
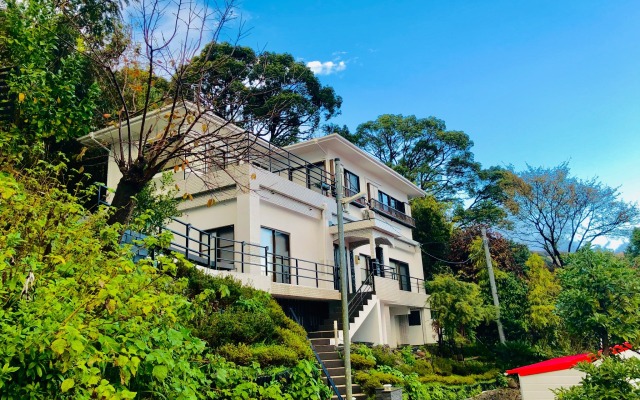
(540, 386)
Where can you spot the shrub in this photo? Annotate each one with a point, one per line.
(370, 381)
(295, 341)
(423, 367)
(406, 353)
(513, 354)
(269, 355)
(361, 362)
(443, 366)
(470, 367)
(384, 355)
(237, 353)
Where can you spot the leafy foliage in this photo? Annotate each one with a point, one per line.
(543, 292)
(269, 94)
(599, 299)
(433, 231)
(51, 81)
(457, 307)
(80, 319)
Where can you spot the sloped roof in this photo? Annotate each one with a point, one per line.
(562, 363)
(555, 364)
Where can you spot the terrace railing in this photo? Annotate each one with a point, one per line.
(405, 282)
(206, 249)
(392, 213)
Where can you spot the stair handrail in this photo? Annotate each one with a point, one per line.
(358, 297)
(324, 368)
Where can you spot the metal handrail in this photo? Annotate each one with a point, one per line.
(324, 368)
(360, 295)
(392, 213)
(385, 271)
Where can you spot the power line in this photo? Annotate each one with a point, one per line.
(445, 261)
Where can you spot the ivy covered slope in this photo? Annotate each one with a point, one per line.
(79, 319)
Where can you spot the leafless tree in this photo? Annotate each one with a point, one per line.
(156, 124)
(560, 213)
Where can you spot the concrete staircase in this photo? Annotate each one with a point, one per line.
(333, 363)
(361, 311)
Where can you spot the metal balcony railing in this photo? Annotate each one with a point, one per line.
(405, 282)
(209, 251)
(392, 213)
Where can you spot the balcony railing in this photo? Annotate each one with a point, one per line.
(405, 282)
(359, 202)
(392, 213)
(209, 251)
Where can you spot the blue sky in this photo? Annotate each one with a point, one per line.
(538, 82)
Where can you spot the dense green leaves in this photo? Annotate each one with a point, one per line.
(457, 307)
(600, 298)
(269, 94)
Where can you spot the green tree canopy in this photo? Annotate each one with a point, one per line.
(270, 94)
(433, 231)
(600, 298)
(543, 292)
(457, 307)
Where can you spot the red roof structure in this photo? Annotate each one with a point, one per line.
(555, 364)
(566, 362)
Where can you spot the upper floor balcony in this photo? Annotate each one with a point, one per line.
(245, 148)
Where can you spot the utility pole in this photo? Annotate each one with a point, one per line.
(343, 279)
(492, 281)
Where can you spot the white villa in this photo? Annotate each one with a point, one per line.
(272, 225)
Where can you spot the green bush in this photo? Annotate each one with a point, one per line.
(239, 353)
(423, 367)
(406, 353)
(384, 355)
(443, 366)
(513, 354)
(361, 362)
(296, 340)
(460, 380)
(269, 355)
(471, 367)
(370, 381)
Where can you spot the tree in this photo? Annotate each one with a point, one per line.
(561, 213)
(633, 249)
(53, 98)
(600, 298)
(457, 308)
(422, 150)
(509, 255)
(543, 291)
(432, 231)
(269, 94)
(437, 160)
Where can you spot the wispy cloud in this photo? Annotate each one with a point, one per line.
(327, 67)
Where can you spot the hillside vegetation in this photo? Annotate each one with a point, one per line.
(79, 319)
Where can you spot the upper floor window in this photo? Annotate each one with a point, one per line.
(351, 182)
(391, 202)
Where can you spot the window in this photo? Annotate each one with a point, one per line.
(220, 247)
(401, 271)
(391, 202)
(351, 183)
(414, 318)
(276, 263)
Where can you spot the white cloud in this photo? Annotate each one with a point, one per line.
(327, 67)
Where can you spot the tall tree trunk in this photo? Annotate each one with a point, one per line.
(124, 199)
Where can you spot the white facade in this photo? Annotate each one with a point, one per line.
(273, 225)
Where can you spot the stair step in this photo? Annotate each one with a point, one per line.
(321, 348)
(333, 363)
(320, 341)
(322, 334)
(355, 389)
(336, 371)
(330, 355)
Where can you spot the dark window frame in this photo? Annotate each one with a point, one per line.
(391, 202)
(221, 245)
(414, 318)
